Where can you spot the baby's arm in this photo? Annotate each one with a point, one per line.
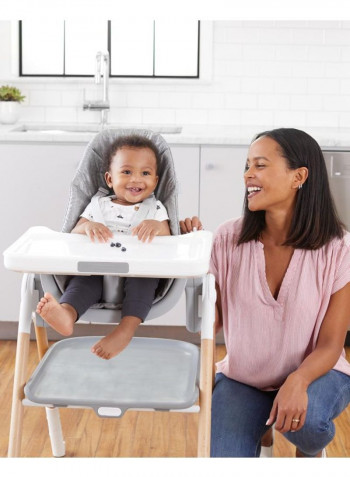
(94, 230)
(148, 229)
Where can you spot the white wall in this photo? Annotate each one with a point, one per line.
(5, 49)
(273, 73)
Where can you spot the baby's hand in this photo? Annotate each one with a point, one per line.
(147, 230)
(190, 225)
(98, 231)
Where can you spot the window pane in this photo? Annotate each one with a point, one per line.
(176, 48)
(83, 40)
(132, 48)
(42, 47)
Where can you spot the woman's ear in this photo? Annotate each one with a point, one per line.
(300, 177)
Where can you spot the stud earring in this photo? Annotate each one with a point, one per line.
(300, 186)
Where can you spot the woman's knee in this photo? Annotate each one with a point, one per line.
(239, 413)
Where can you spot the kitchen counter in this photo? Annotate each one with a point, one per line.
(328, 138)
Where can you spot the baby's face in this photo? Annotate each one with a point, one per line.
(132, 175)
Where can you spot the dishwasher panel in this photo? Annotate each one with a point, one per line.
(338, 168)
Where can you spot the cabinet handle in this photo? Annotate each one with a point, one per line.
(209, 166)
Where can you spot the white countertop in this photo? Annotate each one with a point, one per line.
(328, 138)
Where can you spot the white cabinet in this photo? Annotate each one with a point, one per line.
(221, 184)
(186, 160)
(35, 180)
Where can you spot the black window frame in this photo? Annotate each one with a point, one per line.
(109, 32)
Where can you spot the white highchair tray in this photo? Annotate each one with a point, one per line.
(42, 250)
(149, 373)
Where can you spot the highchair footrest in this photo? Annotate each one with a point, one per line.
(150, 373)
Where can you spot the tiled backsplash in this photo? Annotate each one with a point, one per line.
(290, 73)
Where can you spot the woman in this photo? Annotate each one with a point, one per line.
(283, 284)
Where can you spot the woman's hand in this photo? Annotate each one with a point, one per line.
(289, 407)
(190, 225)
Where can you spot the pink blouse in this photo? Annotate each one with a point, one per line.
(267, 339)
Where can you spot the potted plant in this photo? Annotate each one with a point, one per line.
(10, 99)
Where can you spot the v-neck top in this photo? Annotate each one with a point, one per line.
(267, 338)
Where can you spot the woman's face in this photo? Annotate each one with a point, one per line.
(270, 184)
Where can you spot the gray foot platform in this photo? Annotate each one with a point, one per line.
(149, 373)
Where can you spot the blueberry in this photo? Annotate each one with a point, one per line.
(118, 244)
(123, 249)
(112, 244)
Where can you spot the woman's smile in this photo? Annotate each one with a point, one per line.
(253, 191)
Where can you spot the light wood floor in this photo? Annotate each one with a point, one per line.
(147, 434)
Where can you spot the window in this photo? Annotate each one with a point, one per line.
(138, 48)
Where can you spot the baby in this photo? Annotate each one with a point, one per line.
(132, 174)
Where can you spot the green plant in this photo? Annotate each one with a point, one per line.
(10, 93)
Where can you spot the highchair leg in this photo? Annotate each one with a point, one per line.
(205, 386)
(25, 314)
(206, 369)
(52, 414)
(16, 425)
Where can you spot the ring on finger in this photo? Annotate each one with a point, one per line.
(296, 420)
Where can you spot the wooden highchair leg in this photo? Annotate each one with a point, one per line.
(207, 363)
(16, 425)
(52, 413)
(41, 340)
(205, 393)
(28, 294)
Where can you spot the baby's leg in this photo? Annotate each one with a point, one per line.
(139, 296)
(61, 317)
(118, 339)
(80, 294)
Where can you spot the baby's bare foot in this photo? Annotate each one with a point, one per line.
(61, 317)
(115, 342)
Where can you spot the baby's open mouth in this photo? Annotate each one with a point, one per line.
(252, 191)
(135, 190)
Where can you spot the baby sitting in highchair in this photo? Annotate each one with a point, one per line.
(132, 174)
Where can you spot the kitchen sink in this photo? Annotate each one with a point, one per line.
(87, 128)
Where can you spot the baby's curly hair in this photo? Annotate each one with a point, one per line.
(132, 141)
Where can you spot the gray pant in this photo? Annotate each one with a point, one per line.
(85, 291)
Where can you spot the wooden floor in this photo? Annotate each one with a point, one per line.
(147, 434)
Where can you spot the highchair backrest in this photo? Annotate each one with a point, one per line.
(90, 177)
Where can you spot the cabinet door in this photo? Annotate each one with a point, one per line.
(221, 184)
(35, 181)
(186, 160)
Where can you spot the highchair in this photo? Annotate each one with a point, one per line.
(151, 373)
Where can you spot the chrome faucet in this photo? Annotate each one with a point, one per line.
(103, 104)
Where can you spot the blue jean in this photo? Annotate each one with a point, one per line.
(239, 414)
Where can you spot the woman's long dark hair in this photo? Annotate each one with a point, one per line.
(315, 221)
